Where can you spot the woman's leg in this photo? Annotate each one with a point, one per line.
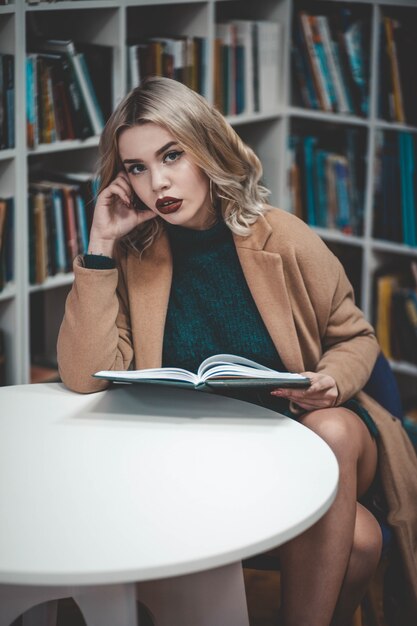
(364, 558)
(315, 565)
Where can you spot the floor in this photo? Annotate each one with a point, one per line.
(262, 593)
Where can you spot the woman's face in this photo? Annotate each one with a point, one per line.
(164, 177)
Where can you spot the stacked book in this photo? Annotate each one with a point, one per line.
(324, 184)
(395, 199)
(396, 314)
(330, 58)
(181, 58)
(6, 241)
(68, 88)
(247, 61)
(7, 115)
(60, 214)
(397, 83)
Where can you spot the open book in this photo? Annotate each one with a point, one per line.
(218, 371)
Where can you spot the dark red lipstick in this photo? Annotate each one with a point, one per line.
(168, 205)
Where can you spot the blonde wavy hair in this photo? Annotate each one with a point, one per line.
(211, 143)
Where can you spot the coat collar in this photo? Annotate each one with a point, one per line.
(149, 281)
(264, 273)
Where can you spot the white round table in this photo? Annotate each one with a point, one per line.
(163, 486)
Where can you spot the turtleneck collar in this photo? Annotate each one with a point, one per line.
(188, 241)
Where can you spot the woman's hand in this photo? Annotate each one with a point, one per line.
(115, 216)
(321, 394)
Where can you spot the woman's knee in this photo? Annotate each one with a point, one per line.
(340, 428)
(367, 544)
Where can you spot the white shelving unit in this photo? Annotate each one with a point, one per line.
(113, 22)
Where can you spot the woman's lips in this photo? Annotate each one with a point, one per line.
(169, 207)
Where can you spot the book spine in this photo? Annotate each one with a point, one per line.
(60, 252)
(41, 271)
(334, 67)
(32, 245)
(319, 80)
(353, 38)
(411, 176)
(9, 242)
(81, 222)
(344, 217)
(383, 324)
(70, 225)
(395, 73)
(323, 64)
(134, 72)
(320, 187)
(303, 70)
(48, 100)
(3, 212)
(50, 233)
(331, 191)
(309, 146)
(3, 127)
(244, 41)
(87, 92)
(80, 117)
(404, 187)
(8, 78)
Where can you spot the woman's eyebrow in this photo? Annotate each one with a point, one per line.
(157, 153)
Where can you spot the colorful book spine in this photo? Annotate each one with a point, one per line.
(395, 72)
(333, 65)
(318, 78)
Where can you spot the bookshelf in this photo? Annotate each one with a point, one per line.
(30, 313)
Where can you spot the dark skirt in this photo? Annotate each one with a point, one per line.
(281, 405)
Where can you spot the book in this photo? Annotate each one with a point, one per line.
(314, 62)
(269, 50)
(322, 25)
(72, 72)
(385, 286)
(390, 26)
(9, 95)
(220, 371)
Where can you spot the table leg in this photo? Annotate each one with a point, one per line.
(102, 605)
(212, 598)
(45, 614)
(107, 605)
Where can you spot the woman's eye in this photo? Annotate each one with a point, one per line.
(136, 168)
(173, 156)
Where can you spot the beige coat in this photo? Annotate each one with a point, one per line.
(114, 319)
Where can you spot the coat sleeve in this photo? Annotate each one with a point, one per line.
(95, 333)
(349, 344)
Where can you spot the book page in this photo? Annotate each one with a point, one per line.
(158, 373)
(230, 365)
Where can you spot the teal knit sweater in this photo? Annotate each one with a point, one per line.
(211, 309)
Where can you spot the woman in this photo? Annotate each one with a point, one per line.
(186, 260)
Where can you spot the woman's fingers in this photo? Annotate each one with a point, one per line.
(120, 189)
(322, 392)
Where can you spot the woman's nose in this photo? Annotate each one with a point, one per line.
(159, 180)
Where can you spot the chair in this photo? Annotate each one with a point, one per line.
(382, 387)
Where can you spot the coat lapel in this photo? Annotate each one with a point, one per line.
(265, 277)
(149, 281)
